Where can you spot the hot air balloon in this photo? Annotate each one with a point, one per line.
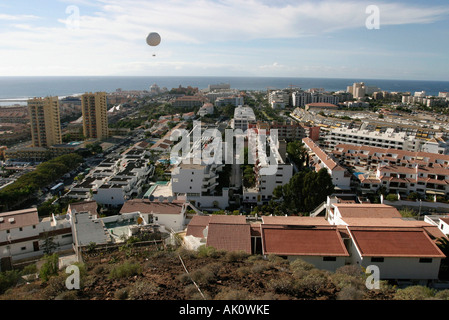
(153, 40)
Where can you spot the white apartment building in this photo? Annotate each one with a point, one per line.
(243, 116)
(235, 100)
(399, 171)
(207, 108)
(302, 98)
(197, 183)
(378, 236)
(387, 139)
(271, 170)
(23, 234)
(278, 99)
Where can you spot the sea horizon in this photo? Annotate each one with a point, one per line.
(21, 88)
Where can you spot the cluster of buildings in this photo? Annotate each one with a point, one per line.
(116, 179)
(350, 233)
(46, 133)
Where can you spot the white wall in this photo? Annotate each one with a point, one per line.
(110, 196)
(170, 221)
(399, 267)
(318, 262)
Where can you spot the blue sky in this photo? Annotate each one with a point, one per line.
(291, 38)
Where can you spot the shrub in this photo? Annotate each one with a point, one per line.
(211, 252)
(260, 266)
(276, 260)
(442, 295)
(192, 293)
(29, 269)
(50, 267)
(313, 280)
(8, 279)
(282, 285)
(121, 294)
(391, 197)
(350, 270)
(99, 269)
(233, 294)
(67, 295)
(299, 264)
(203, 276)
(414, 293)
(234, 256)
(142, 288)
(243, 271)
(186, 253)
(127, 269)
(55, 286)
(342, 280)
(350, 293)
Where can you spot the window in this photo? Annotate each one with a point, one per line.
(329, 258)
(425, 260)
(23, 248)
(377, 259)
(20, 229)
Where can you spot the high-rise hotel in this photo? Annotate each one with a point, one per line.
(95, 120)
(45, 121)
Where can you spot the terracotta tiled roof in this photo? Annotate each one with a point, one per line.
(154, 207)
(324, 158)
(84, 206)
(394, 242)
(229, 237)
(319, 241)
(367, 210)
(292, 220)
(19, 218)
(384, 222)
(197, 225)
(219, 218)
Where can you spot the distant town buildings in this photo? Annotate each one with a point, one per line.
(387, 139)
(359, 90)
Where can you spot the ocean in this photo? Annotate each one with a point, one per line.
(22, 88)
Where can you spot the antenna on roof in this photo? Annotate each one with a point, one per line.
(151, 197)
(170, 199)
(161, 198)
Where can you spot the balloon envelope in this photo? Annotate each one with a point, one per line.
(153, 39)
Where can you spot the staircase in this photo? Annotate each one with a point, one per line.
(318, 209)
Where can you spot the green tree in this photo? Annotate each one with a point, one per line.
(49, 244)
(304, 192)
(297, 153)
(50, 267)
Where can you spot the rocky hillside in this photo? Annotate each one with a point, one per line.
(145, 273)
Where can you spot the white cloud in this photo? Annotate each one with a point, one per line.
(19, 17)
(196, 34)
